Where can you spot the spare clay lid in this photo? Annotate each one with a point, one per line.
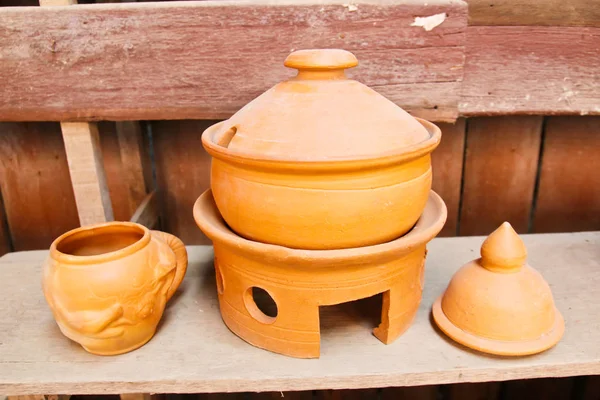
(498, 304)
(320, 115)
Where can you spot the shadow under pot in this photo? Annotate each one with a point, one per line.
(108, 284)
(321, 161)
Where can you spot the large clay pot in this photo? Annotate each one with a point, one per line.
(108, 284)
(321, 161)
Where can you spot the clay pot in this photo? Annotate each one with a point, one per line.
(298, 282)
(108, 284)
(498, 304)
(321, 161)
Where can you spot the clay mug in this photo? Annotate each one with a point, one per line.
(108, 284)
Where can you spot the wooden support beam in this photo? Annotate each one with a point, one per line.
(134, 162)
(40, 397)
(84, 156)
(531, 70)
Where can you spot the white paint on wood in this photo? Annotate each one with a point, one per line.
(84, 156)
(194, 352)
(429, 23)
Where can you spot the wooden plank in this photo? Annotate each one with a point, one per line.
(194, 352)
(136, 396)
(135, 159)
(182, 173)
(5, 246)
(144, 60)
(35, 184)
(447, 165)
(147, 213)
(114, 170)
(84, 155)
(531, 70)
(126, 165)
(569, 187)
(500, 171)
(40, 397)
(540, 12)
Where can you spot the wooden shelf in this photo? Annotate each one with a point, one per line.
(194, 352)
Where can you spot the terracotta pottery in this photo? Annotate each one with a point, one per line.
(321, 161)
(498, 304)
(108, 284)
(299, 281)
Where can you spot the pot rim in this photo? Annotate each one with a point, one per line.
(240, 157)
(213, 225)
(92, 230)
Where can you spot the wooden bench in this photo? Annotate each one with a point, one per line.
(204, 60)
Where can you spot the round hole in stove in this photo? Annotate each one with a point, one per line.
(261, 305)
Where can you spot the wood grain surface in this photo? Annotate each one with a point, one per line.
(5, 246)
(540, 12)
(447, 165)
(86, 168)
(531, 70)
(126, 164)
(499, 175)
(36, 187)
(182, 173)
(193, 351)
(569, 185)
(178, 60)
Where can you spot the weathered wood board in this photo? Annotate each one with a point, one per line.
(568, 196)
(194, 352)
(179, 60)
(501, 164)
(36, 187)
(539, 12)
(182, 174)
(447, 165)
(531, 70)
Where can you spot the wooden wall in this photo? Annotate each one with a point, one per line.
(540, 174)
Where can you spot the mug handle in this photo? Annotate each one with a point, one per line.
(180, 256)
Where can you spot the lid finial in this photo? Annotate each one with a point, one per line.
(503, 250)
(321, 60)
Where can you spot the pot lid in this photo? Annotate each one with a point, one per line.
(321, 115)
(498, 304)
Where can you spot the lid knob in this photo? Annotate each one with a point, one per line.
(503, 251)
(328, 61)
